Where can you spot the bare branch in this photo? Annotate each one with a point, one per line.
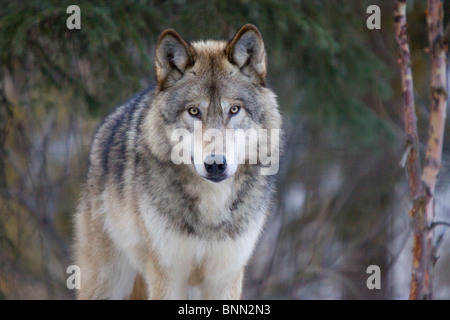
(435, 224)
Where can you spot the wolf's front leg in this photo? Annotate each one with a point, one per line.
(163, 283)
(164, 289)
(223, 287)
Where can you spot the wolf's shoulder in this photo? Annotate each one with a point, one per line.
(124, 112)
(112, 139)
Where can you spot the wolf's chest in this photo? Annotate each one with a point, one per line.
(214, 205)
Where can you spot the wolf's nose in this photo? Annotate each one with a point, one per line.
(215, 164)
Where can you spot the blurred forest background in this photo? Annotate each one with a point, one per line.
(343, 199)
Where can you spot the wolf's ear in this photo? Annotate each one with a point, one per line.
(173, 56)
(246, 50)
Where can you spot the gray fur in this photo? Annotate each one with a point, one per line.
(130, 168)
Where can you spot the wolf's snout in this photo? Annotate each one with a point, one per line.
(215, 164)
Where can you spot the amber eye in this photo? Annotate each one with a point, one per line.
(194, 112)
(234, 109)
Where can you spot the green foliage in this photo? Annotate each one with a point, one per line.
(320, 64)
(320, 60)
(335, 68)
(111, 47)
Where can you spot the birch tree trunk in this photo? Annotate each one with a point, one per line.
(410, 120)
(438, 53)
(422, 186)
(412, 143)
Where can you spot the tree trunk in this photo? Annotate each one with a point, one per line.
(422, 187)
(438, 50)
(412, 142)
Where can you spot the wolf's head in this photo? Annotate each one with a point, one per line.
(212, 99)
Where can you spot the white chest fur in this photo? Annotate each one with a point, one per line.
(179, 253)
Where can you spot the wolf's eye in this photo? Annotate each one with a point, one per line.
(194, 112)
(234, 110)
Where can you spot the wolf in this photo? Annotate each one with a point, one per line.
(178, 230)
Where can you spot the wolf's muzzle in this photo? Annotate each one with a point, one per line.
(215, 166)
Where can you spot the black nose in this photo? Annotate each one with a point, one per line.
(215, 164)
